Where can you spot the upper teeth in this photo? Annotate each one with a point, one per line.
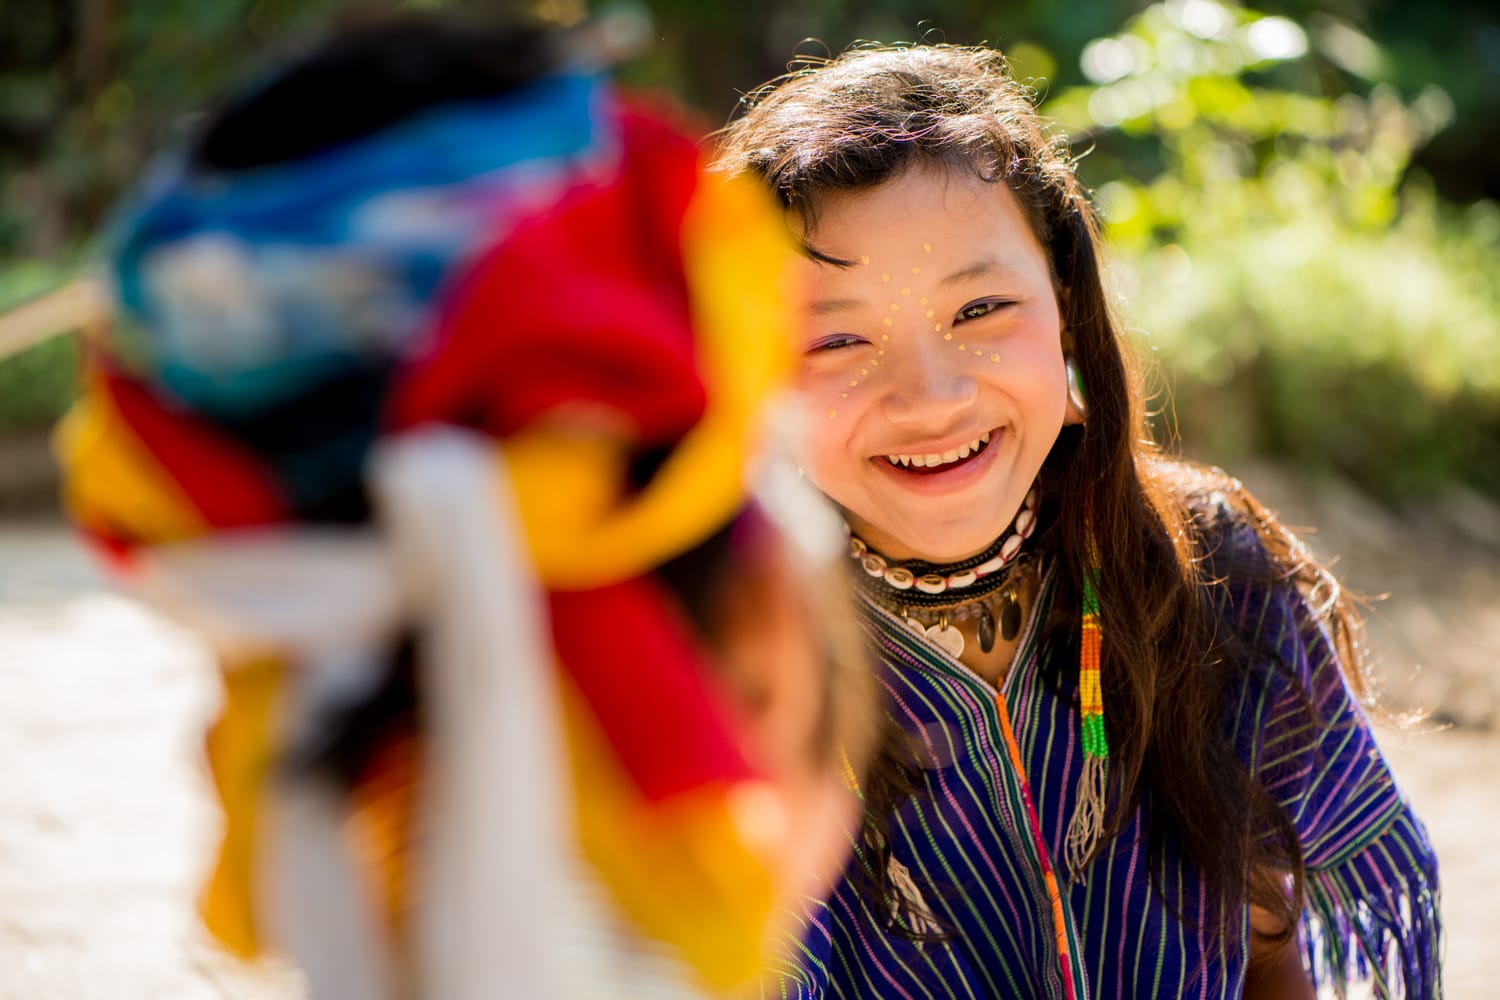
(934, 459)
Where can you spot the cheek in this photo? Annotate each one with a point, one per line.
(1033, 369)
(824, 445)
(834, 397)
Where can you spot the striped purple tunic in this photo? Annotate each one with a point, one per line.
(1372, 887)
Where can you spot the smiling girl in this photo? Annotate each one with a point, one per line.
(1127, 756)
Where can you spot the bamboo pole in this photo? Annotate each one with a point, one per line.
(81, 305)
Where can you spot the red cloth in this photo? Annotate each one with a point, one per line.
(227, 485)
(587, 302)
(629, 651)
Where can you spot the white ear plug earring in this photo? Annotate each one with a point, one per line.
(1077, 398)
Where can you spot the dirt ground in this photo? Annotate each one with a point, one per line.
(108, 825)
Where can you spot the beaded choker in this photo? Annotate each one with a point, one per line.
(932, 597)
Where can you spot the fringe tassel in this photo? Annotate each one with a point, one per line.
(918, 917)
(1087, 825)
(1375, 918)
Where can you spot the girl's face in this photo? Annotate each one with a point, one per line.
(933, 364)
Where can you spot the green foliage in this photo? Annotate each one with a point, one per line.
(1305, 296)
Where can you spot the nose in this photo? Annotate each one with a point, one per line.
(930, 388)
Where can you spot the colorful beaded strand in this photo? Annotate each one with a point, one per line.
(1087, 825)
(846, 772)
(1092, 697)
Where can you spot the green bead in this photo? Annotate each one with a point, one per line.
(1095, 743)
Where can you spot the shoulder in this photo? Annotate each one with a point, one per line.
(1266, 588)
(1234, 538)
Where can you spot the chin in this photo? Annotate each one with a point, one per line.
(949, 548)
(936, 542)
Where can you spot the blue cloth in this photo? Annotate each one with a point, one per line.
(241, 291)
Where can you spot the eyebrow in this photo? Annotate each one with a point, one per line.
(824, 307)
(988, 267)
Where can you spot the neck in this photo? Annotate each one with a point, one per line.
(994, 666)
(897, 551)
(972, 608)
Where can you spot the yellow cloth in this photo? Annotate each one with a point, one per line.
(583, 530)
(112, 484)
(685, 874)
(240, 751)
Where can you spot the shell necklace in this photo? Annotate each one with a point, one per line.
(932, 597)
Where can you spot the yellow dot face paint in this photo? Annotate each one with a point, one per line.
(832, 414)
(858, 364)
(893, 308)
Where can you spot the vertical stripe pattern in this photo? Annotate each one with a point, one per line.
(1000, 779)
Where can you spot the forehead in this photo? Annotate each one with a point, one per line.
(926, 211)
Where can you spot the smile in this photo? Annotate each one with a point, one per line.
(941, 460)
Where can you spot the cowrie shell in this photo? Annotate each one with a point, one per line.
(1011, 547)
(932, 583)
(963, 578)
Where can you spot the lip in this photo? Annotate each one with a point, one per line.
(949, 480)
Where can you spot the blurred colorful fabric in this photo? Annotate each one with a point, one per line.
(553, 270)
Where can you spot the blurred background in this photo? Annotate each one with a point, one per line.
(1302, 198)
(1303, 202)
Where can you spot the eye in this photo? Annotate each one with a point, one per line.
(836, 342)
(975, 310)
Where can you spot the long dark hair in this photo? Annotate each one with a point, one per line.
(858, 120)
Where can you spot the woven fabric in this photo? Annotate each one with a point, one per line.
(1371, 873)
